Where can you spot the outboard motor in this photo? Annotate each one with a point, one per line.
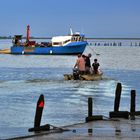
(75, 74)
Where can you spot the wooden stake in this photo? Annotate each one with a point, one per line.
(117, 97)
(132, 105)
(89, 107)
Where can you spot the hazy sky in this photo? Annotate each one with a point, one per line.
(95, 18)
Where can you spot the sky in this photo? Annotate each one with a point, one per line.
(47, 18)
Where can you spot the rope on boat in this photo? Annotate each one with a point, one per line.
(94, 51)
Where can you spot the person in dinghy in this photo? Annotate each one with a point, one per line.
(80, 64)
(95, 66)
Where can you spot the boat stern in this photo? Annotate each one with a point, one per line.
(17, 50)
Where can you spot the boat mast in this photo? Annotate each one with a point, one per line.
(71, 32)
(28, 34)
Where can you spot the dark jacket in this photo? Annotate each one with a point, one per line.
(95, 67)
(87, 64)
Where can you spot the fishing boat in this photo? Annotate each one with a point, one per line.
(74, 43)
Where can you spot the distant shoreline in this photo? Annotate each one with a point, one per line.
(89, 38)
(114, 38)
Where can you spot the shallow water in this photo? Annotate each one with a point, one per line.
(24, 77)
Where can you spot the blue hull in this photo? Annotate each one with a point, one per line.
(72, 48)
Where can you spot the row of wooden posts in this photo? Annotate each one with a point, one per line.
(114, 114)
(114, 44)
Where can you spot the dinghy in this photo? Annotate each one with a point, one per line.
(86, 77)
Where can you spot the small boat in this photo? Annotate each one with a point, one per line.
(86, 77)
(59, 45)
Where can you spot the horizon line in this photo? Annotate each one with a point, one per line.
(90, 38)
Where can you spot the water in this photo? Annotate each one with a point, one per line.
(24, 77)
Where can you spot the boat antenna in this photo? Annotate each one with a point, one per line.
(71, 32)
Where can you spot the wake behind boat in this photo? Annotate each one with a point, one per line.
(60, 45)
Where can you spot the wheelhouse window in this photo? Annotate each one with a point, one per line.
(57, 43)
(77, 38)
(67, 41)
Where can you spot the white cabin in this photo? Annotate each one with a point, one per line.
(61, 40)
(64, 40)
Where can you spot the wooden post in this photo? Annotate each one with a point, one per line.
(39, 109)
(117, 97)
(116, 113)
(89, 107)
(90, 116)
(132, 106)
